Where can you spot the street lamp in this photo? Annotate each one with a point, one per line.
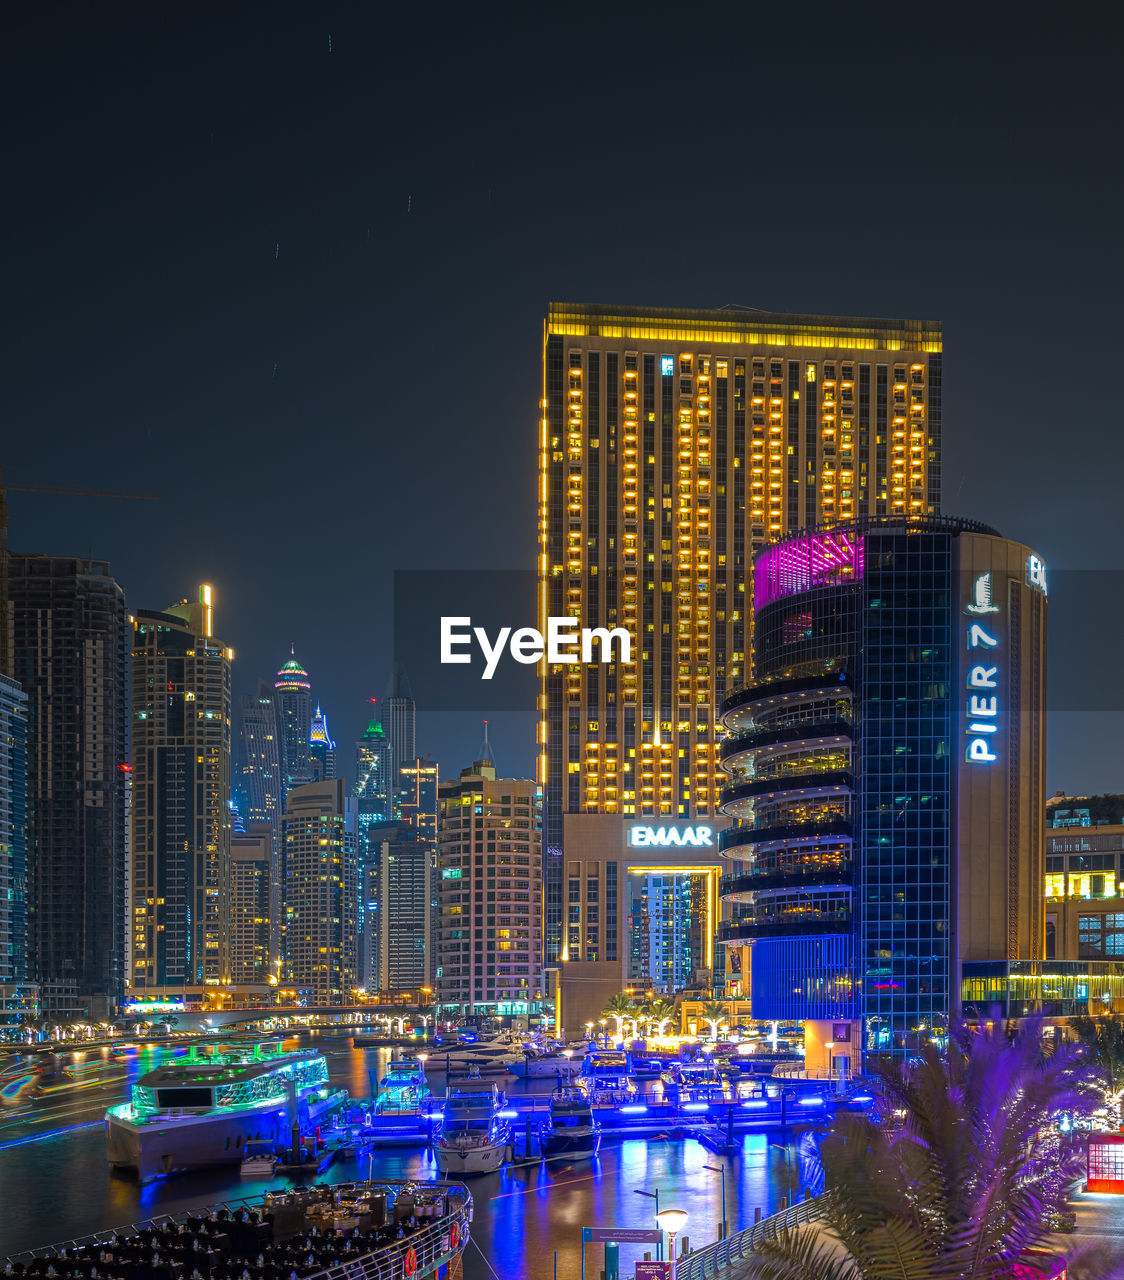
(568, 1054)
(654, 1195)
(715, 1168)
(589, 1030)
(829, 1046)
(672, 1221)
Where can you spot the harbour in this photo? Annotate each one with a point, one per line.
(56, 1184)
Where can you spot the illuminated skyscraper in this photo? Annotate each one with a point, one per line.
(70, 652)
(373, 786)
(673, 443)
(400, 718)
(888, 769)
(181, 789)
(13, 833)
(250, 909)
(321, 892)
(322, 750)
(490, 863)
(261, 784)
(418, 783)
(293, 699)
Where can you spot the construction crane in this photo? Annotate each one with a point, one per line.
(5, 489)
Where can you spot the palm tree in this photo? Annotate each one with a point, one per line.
(661, 1012)
(1103, 1039)
(714, 1012)
(965, 1187)
(618, 1007)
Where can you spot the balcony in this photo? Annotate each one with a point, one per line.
(812, 922)
(790, 690)
(739, 837)
(812, 734)
(791, 877)
(830, 782)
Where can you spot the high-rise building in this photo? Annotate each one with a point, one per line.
(887, 766)
(373, 785)
(262, 788)
(13, 835)
(672, 443)
(180, 792)
(261, 769)
(399, 892)
(70, 652)
(400, 718)
(321, 748)
(490, 863)
(292, 695)
(320, 892)
(249, 946)
(418, 783)
(374, 798)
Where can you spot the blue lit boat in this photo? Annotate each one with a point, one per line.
(572, 1132)
(693, 1082)
(403, 1090)
(607, 1076)
(205, 1108)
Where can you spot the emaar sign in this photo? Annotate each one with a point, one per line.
(671, 837)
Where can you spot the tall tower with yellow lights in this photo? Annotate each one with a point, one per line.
(673, 443)
(181, 793)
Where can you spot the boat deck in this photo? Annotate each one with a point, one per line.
(328, 1232)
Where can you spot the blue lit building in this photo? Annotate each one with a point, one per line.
(321, 748)
(887, 771)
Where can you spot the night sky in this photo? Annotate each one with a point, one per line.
(288, 267)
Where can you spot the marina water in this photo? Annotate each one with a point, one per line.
(55, 1183)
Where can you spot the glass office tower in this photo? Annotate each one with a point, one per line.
(887, 771)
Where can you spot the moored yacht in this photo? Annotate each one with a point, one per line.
(403, 1089)
(693, 1082)
(606, 1075)
(205, 1108)
(474, 1136)
(572, 1132)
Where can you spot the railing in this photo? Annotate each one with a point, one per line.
(433, 1245)
(712, 1260)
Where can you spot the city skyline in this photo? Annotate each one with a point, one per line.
(271, 317)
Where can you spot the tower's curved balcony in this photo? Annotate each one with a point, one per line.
(739, 799)
(742, 842)
(776, 873)
(749, 928)
(759, 748)
(777, 703)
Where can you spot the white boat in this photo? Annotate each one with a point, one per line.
(687, 1082)
(537, 1065)
(206, 1108)
(474, 1137)
(606, 1075)
(261, 1166)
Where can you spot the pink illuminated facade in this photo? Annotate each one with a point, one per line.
(830, 558)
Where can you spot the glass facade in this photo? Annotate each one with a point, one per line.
(843, 765)
(906, 729)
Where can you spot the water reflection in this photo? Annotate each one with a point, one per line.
(61, 1187)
